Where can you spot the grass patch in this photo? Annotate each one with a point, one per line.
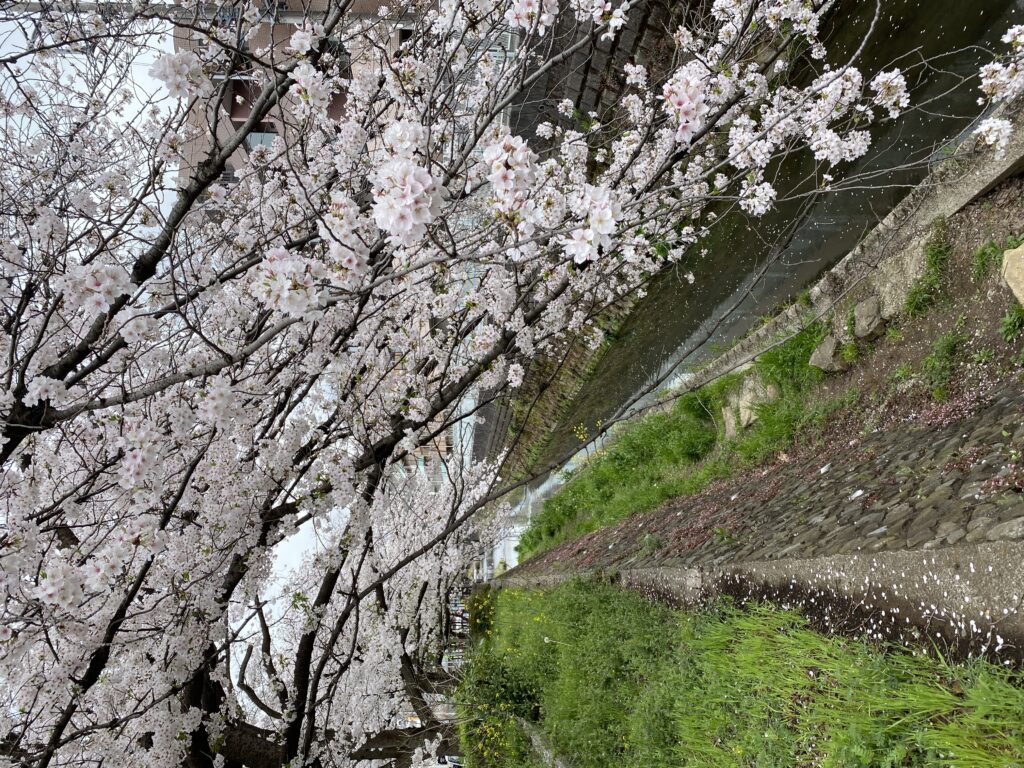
(939, 366)
(1011, 327)
(615, 680)
(927, 288)
(678, 453)
(491, 697)
(632, 473)
(904, 372)
(989, 257)
(480, 607)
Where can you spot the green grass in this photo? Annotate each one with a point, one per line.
(615, 680)
(928, 287)
(681, 452)
(633, 473)
(489, 703)
(939, 366)
(1011, 327)
(990, 257)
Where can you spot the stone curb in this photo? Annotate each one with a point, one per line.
(968, 597)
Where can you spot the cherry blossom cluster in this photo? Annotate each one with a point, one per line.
(311, 89)
(891, 92)
(602, 12)
(346, 231)
(95, 287)
(1002, 80)
(511, 173)
(684, 97)
(995, 132)
(288, 283)
(181, 73)
(584, 244)
(406, 200)
(532, 15)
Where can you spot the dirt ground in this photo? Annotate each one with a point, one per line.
(977, 308)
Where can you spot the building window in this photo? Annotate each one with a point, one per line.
(262, 136)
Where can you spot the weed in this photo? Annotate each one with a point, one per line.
(894, 334)
(938, 367)
(983, 356)
(987, 257)
(1012, 325)
(927, 288)
(650, 544)
(785, 365)
(990, 256)
(850, 352)
(724, 535)
(903, 372)
(480, 607)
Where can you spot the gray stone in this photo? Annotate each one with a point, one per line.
(898, 514)
(827, 357)
(971, 490)
(741, 409)
(946, 528)
(753, 393)
(979, 523)
(867, 319)
(919, 537)
(1013, 271)
(1010, 530)
(978, 534)
(955, 536)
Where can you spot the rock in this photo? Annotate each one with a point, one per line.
(1011, 529)
(867, 319)
(955, 536)
(827, 357)
(741, 409)
(729, 419)
(1013, 271)
(979, 523)
(753, 393)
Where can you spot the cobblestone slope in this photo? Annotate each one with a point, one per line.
(914, 486)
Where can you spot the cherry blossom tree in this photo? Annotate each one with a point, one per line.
(212, 343)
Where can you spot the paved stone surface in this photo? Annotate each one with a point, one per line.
(911, 488)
